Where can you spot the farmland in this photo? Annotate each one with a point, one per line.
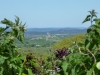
(40, 40)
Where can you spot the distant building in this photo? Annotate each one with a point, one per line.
(37, 45)
(48, 34)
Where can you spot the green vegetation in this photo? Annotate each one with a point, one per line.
(78, 55)
(10, 60)
(67, 42)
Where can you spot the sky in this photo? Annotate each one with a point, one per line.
(49, 13)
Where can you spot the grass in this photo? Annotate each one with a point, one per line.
(39, 50)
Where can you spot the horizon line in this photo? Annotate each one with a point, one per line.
(57, 27)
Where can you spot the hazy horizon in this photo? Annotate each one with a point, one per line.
(49, 13)
(57, 27)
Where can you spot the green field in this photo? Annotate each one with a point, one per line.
(41, 50)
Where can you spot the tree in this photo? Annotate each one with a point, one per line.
(67, 42)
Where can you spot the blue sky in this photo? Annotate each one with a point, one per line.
(49, 13)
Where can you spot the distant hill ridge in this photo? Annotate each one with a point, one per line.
(54, 29)
(38, 31)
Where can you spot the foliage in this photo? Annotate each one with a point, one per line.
(35, 64)
(67, 42)
(10, 60)
(93, 32)
(61, 53)
(82, 57)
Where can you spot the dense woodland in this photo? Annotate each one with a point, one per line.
(57, 52)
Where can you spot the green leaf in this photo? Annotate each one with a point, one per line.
(88, 30)
(2, 59)
(94, 15)
(17, 20)
(87, 43)
(73, 71)
(87, 18)
(81, 44)
(7, 22)
(64, 66)
(98, 65)
(30, 72)
(1, 70)
(98, 30)
(20, 69)
(89, 72)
